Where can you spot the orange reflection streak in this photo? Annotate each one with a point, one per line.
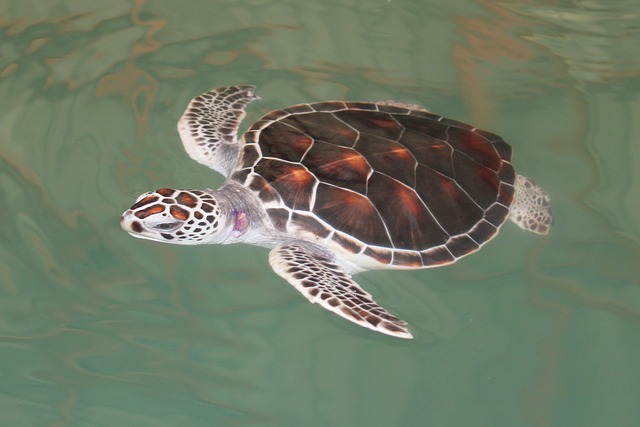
(137, 87)
(409, 202)
(488, 41)
(401, 153)
(148, 44)
(352, 166)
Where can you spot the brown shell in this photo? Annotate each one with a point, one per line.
(404, 187)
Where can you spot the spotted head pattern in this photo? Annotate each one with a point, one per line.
(185, 217)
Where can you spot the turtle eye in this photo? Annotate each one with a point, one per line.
(167, 226)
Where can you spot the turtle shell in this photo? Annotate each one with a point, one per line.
(404, 187)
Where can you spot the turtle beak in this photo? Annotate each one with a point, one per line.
(129, 223)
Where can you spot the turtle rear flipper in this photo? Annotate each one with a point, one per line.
(531, 208)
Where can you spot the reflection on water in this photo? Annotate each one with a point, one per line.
(100, 329)
(595, 40)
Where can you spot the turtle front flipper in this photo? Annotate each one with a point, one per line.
(319, 278)
(209, 126)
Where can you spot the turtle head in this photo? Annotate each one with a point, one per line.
(186, 217)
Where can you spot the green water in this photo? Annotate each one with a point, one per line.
(100, 329)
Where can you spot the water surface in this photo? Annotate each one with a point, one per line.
(99, 329)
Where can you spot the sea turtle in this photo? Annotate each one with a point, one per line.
(335, 188)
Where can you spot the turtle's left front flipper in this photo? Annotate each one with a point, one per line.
(319, 278)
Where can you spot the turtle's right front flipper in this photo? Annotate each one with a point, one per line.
(209, 126)
(319, 278)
